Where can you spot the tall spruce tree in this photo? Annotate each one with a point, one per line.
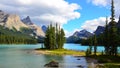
(95, 44)
(106, 38)
(113, 32)
(62, 38)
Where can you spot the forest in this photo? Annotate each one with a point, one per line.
(11, 36)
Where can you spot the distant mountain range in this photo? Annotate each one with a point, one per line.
(44, 28)
(13, 21)
(100, 29)
(83, 34)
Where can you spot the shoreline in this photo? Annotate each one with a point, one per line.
(60, 52)
(92, 62)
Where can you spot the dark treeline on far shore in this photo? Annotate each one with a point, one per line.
(8, 36)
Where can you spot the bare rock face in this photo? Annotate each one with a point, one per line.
(14, 21)
(3, 17)
(37, 30)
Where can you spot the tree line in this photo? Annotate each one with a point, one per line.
(9, 36)
(55, 37)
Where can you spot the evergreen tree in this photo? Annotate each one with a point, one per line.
(106, 38)
(113, 32)
(62, 38)
(90, 45)
(54, 37)
(95, 44)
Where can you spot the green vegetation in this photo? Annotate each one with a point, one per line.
(109, 38)
(62, 52)
(8, 36)
(55, 37)
(26, 30)
(106, 58)
(112, 65)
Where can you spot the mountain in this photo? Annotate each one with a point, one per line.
(27, 20)
(44, 28)
(36, 29)
(99, 30)
(118, 24)
(83, 34)
(11, 21)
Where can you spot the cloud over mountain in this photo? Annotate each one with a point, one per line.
(43, 11)
(91, 25)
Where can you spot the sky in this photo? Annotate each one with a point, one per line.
(72, 15)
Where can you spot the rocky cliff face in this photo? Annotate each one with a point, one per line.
(3, 17)
(27, 20)
(14, 21)
(99, 30)
(36, 29)
(11, 21)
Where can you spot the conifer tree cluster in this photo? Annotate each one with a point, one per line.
(111, 35)
(55, 37)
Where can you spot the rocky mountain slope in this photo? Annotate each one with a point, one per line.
(13, 21)
(83, 34)
(36, 29)
(99, 30)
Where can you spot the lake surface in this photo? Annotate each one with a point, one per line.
(22, 56)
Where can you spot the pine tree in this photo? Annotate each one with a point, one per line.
(113, 32)
(106, 38)
(54, 38)
(90, 45)
(62, 38)
(95, 45)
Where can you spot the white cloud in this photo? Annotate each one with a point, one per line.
(91, 25)
(107, 3)
(99, 2)
(43, 11)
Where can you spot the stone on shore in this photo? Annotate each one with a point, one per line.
(52, 64)
(80, 66)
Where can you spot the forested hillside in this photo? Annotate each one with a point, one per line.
(8, 36)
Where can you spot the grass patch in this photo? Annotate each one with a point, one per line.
(106, 58)
(64, 52)
(112, 65)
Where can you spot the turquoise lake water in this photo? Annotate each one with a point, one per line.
(23, 56)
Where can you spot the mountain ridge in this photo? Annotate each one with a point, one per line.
(13, 21)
